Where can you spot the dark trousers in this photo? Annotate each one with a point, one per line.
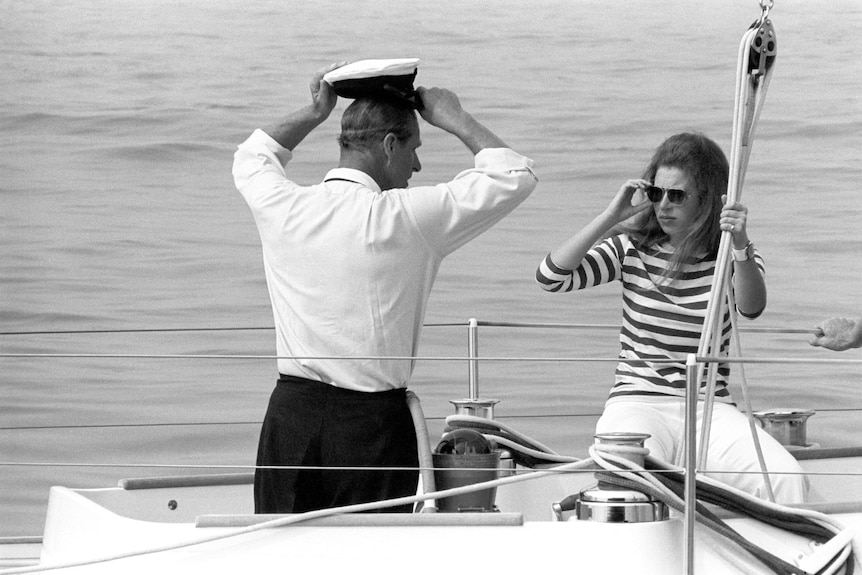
(309, 423)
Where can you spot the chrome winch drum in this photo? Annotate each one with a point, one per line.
(610, 504)
(619, 506)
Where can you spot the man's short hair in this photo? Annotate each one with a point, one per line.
(368, 120)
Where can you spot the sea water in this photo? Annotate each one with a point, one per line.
(118, 211)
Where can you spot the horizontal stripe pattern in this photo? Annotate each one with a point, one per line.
(662, 319)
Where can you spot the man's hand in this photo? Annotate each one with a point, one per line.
(295, 127)
(323, 98)
(838, 334)
(442, 108)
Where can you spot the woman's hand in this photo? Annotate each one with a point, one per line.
(571, 252)
(628, 201)
(734, 217)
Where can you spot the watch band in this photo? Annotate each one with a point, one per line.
(744, 254)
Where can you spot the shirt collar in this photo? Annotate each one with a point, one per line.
(352, 175)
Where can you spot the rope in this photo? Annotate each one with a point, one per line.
(751, 85)
(467, 420)
(752, 426)
(662, 481)
(669, 487)
(423, 442)
(525, 451)
(299, 518)
(602, 455)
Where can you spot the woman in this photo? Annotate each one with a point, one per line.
(661, 236)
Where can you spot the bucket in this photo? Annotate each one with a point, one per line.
(458, 470)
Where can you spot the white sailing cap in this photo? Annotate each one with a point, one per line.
(382, 78)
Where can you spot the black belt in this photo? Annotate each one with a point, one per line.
(330, 388)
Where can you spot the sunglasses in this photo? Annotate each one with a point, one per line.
(674, 196)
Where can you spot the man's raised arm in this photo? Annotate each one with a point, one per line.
(442, 109)
(295, 127)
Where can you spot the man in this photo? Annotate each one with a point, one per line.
(838, 334)
(349, 264)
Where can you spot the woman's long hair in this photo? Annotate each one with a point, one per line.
(706, 167)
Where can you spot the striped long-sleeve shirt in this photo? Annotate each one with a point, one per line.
(662, 319)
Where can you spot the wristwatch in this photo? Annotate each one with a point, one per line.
(744, 254)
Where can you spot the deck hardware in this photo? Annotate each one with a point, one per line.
(474, 405)
(788, 426)
(619, 506)
(465, 457)
(607, 503)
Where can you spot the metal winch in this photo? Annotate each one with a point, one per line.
(618, 506)
(465, 457)
(608, 503)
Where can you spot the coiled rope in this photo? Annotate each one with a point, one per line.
(663, 482)
(668, 487)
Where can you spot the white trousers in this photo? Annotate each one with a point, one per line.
(731, 457)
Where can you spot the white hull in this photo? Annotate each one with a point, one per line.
(86, 525)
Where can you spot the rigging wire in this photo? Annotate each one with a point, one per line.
(220, 423)
(251, 467)
(497, 417)
(524, 325)
(502, 359)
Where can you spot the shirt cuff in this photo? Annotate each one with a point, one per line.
(505, 158)
(259, 138)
